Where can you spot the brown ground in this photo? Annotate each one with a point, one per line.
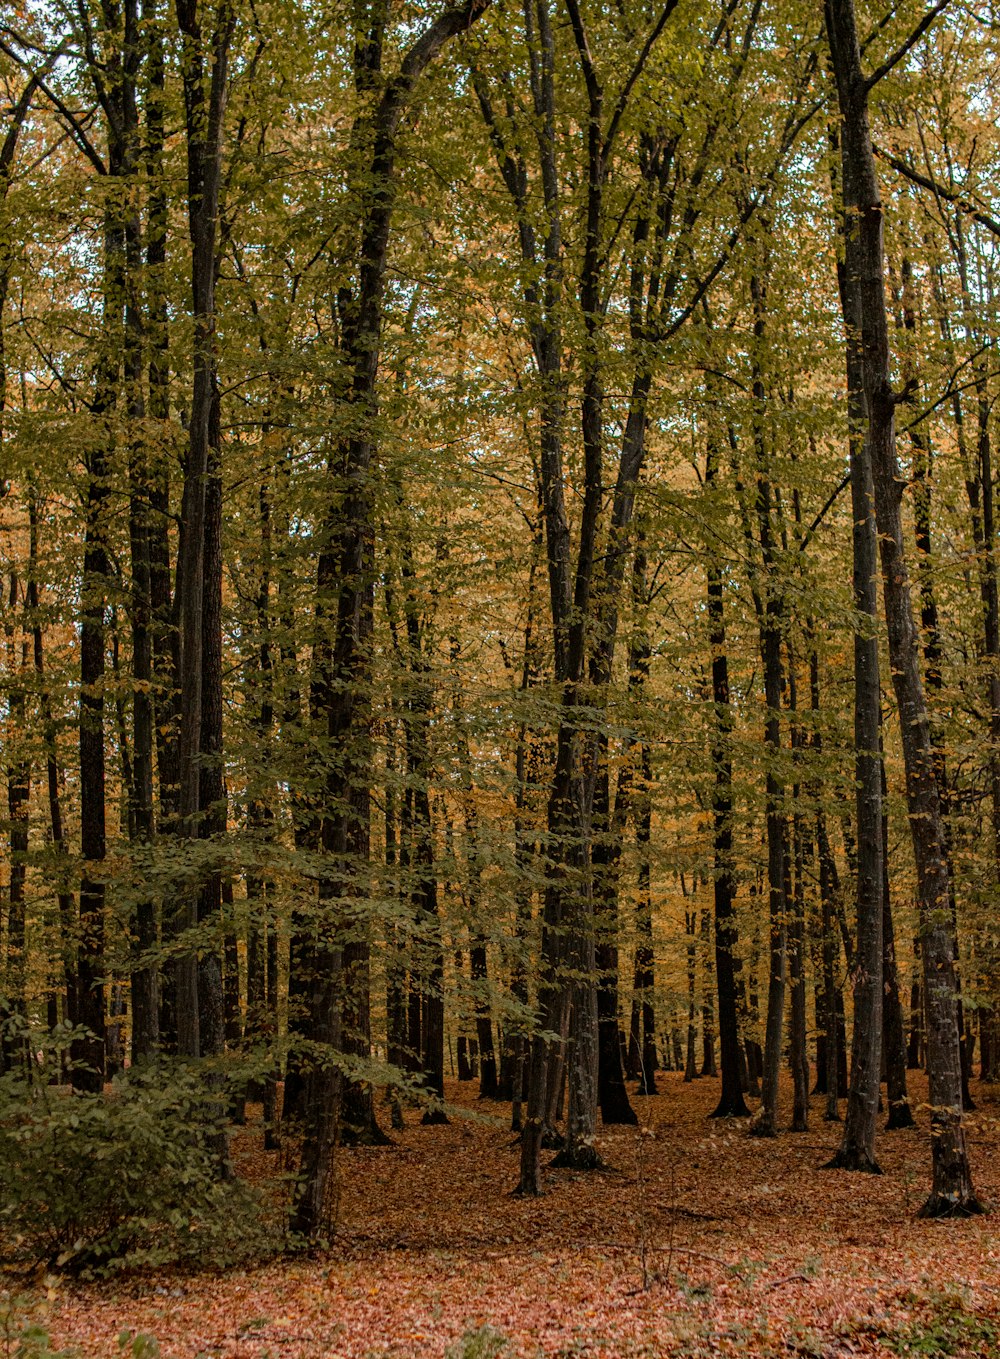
(750, 1248)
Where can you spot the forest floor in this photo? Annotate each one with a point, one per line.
(696, 1241)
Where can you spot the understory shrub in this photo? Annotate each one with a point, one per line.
(95, 1182)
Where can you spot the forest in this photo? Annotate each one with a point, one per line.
(499, 678)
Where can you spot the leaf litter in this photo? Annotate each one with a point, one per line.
(695, 1241)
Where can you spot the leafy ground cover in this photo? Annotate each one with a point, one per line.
(696, 1241)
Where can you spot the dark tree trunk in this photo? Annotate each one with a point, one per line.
(857, 1148)
(795, 895)
(952, 1193)
(88, 1051)
(62, 870)
(980, 497)
(606, 859)
(708, 1067)
(645, 978)
(635, 796)
(12, 998)
(465, 1072)
(165, 634)
(915, 1041)
(893, 1040)
(425, 906)
(691, 951)
(489, 1085)
(527, 772)
(796, 956)
(770, 611)
(632, 1058)
(271, 1108)
(358, 1122)
(200, 537)
(731, 1102)
(13, 1009)
(211, 786)
(351, 569)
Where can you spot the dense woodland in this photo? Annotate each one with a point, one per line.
(499, 569)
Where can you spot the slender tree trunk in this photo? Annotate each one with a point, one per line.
(771, 611)
(857, 1148)
(13, 1008)
(12, 1000)
(645, 977)
(981, 509)
(199, 549)
(952, 1191)
(88, 1052)
(893, 1039)
(606, 857)
(731, 1102)
(489, 1086)
(708, 1067)
(691, 951)
(144, 988)
(348, 563)
(796, 953)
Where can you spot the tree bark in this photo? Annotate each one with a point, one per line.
(731, 1102)
(205, 94)
(857, 1148)
(952, 1191)
(893, 1039)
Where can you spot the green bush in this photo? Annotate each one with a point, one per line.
(91, 1183)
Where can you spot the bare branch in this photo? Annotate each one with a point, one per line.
(910, 42)
(636, 71)
(938, 190)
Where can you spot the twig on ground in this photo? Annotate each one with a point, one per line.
(790, 1278)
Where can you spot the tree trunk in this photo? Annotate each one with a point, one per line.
(857, 1148)
(13, 1007)
(88, 1052)
(952, 1191)
(731, 1102)
(893, 1041)
(200, 543)
(796, 954)
(606, 858)
(691, 951)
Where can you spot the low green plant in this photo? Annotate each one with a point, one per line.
(139, 1346)
(21, 1334)
(485, 1342)
(90, 1183)
(942, 1326)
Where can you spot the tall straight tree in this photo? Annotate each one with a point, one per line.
(857, 1148)
(952, 1191)
(731, 1102)
(346, 565)
(206, 35)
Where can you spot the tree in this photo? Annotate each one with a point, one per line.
(952, 1192)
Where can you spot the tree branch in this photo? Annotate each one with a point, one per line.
(73, 121)
(910, 42)
(636, 71)
(932, 186)
(842, 485)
